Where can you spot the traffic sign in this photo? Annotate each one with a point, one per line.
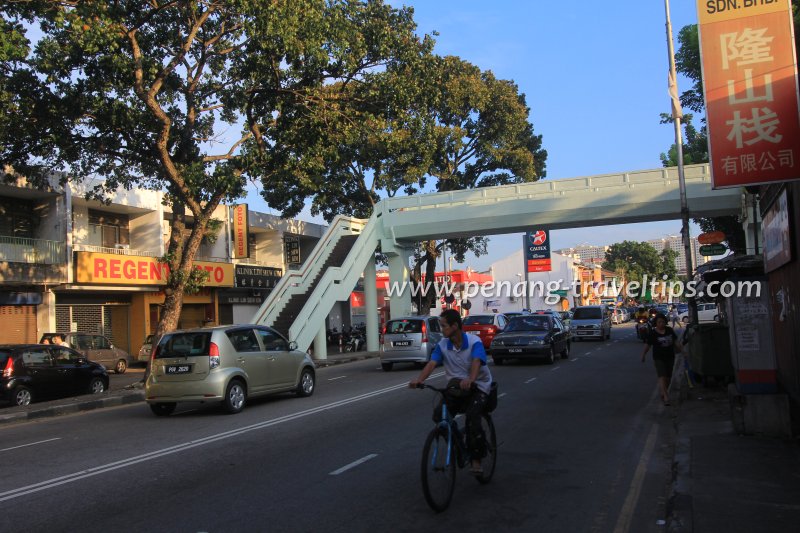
(711, 238)
(713, 249)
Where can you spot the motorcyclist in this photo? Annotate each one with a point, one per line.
(641, 312)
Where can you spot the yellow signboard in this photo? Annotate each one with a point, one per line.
(240, 232)
(112, 269)
(710, 11)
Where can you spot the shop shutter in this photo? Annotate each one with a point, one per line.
(192, 316)
(19, 324)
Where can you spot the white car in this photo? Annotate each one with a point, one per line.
(706, 312)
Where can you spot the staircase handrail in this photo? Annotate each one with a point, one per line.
(336, 284)
(297, 281)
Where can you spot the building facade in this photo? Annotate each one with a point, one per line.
(675, 243)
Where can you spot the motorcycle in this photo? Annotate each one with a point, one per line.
(355, 342)
(642, 329)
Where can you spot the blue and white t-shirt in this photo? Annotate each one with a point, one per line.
(457, 363)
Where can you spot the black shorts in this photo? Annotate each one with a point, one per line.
(664, 366)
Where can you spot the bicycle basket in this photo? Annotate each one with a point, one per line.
(491, 404)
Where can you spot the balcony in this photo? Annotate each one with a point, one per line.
(32, 251)
(120, 249)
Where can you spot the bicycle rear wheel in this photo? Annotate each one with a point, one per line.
(438, 471)
(489, 459)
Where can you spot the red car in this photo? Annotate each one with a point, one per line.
(485, 326)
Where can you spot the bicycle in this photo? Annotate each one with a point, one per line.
(445, 448)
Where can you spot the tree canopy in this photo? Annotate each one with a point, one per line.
(190, 97)
(634, 260)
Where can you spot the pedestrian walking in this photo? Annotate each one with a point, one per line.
(664, 342)
(673, 315)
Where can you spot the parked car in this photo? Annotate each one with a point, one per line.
(533, 336)
(145, 350)
(226, 364)
(705, 312)
(619, 316)
(485, 326)
(96, 348)
(591, 321)
(34, 371)
(409, 340)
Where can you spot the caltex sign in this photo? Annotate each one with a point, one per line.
(537, 251)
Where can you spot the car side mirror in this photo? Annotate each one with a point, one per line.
(292, 346)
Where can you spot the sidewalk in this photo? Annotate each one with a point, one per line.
(726, 482)
(131, 394)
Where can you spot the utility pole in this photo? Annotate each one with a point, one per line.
(676, 117)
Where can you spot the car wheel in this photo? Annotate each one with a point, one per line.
(565, 353)
(23, 396)
(96, 386)
(235, 397)
(716, 318)
(387, 367)
(163, 409)
(685, 320)
(122, 366)
(307, 383)
(498, 361)
(551, 357)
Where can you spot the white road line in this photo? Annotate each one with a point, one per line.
(354, 464)
(30, 444)
(130, 461)
(554, 369)
(626, 514)
(575, 359)
(501, 395)
(337, 377)
(532, 379)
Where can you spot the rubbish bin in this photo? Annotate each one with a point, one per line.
(710, 350)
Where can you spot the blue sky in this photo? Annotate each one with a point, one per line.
(594, 75)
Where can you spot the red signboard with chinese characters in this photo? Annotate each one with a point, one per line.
(750, 83)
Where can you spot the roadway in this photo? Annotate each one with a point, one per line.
(582, 448)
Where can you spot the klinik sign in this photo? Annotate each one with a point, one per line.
(750, 85)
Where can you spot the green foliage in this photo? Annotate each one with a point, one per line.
(668, 267)
(634, 260)
(695, 147)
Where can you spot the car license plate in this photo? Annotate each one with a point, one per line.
(584, 332)
(178, 369)
(515, 350)
(402, 343)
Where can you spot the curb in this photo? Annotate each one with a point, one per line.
(72, 405)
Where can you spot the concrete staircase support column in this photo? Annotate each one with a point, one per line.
(321, 344)
(371, 305)
(400, 304)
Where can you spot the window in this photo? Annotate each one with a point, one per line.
(243, 340)
(83, 342)
(272, 341)
(433, 325)
(404, 326)
(101, 343)
(64, 356)
(183, 345)
(36, 358)
(483, 320)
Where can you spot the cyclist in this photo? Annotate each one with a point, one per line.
(469, 379)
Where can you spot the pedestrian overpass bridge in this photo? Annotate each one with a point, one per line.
(300, 303)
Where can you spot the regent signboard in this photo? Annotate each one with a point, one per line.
(750, 85)
(112, 269)
(537, 251)
(240, 232)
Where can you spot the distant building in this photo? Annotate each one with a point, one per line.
(675, 243)
(585, 253)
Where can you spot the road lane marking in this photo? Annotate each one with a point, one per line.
(501, 395)
(337, 377)
(554, 369)
(628, 508)
(124, 463)
(354, 464)
(575, 359)
(532, 379)
(29, 444)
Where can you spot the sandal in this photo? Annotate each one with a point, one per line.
(476, 470)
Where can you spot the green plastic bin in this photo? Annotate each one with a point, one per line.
(710, 350)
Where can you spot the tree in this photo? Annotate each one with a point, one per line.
(187, 96)
(634, 260)
(668, 267)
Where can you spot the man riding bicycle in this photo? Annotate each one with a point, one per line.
(464, 360)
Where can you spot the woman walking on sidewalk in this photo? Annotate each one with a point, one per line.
(665, 343)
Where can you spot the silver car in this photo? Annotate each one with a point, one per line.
(591, 321)
(226, 364)
(144, 351)
(409, 340)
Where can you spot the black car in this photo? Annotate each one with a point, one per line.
(531, 336)
(34, 371)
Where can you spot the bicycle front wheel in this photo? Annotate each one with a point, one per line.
(438, 471)
(489, 459)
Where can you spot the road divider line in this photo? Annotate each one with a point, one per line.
(554, 369)
(501, 394)
(30, 444)
(575, 359)
(354, 464)
(532, 379)
(337, 377)
(123, 463)
(628, 508)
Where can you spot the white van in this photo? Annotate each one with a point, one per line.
(706, 312)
